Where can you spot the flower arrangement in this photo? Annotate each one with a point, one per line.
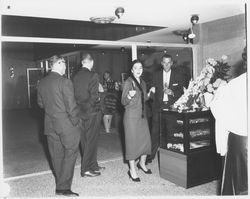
(212, 75)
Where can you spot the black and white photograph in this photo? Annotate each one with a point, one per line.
(124, 99)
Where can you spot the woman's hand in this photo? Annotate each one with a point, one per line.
(132, 93)
(151, 90)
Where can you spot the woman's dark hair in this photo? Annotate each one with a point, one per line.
(138, 85)
(136, 61)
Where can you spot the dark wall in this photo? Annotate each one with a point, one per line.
(182, 57)
(15, 90)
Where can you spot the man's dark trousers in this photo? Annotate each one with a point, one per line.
(89, 142)
(63, 148)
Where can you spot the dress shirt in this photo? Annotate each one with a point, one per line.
(229, 108)
(166, 79)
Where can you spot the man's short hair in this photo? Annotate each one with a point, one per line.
(167, 56)
(55, 59)
(87, 57)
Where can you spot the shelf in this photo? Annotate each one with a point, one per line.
(198, 120)
(199, 125)
(199, 132)
(200, 144)
(200, 138)
(179, 147)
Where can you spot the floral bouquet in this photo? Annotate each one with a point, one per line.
(212, 75)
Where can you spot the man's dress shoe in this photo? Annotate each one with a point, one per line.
(99, 168)
(91, 174)
(67, 192)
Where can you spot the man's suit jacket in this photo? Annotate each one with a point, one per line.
(177, 81)
(86, 86)
(56, 96)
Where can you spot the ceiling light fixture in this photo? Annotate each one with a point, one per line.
(102, 20)
(119, 12)
(194, 20)
(109, 19)
(185, 38)
(122, 49)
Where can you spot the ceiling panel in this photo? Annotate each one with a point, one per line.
(164, 13)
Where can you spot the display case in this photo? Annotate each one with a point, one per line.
(187, 148)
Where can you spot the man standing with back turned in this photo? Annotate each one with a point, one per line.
(86, 86)
(62, 125)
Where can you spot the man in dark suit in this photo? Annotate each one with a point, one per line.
(62, 125)
(167, 86)
(86, 86)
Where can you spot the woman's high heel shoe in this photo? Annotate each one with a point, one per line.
(134, 179)
(147, 172)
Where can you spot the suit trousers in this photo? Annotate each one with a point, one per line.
(235, 172)
(89, 142)
(63, 150)
(155, 134)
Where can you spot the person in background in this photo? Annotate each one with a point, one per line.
(109, 101)
(229, 108)
(168, 85)
(137, 135)
(108, 82)
(86, 87)
(62, 124)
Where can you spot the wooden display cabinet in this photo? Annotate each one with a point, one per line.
(187, 148)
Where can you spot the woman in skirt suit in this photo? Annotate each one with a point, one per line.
(137, 135)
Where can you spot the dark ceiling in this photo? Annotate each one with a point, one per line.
(58, 28)
(69, 29)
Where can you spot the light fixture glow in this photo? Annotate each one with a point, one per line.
(108, 19)
(102, 20)
(191, 35)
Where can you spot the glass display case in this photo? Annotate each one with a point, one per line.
(186, 132)
(187, 148)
